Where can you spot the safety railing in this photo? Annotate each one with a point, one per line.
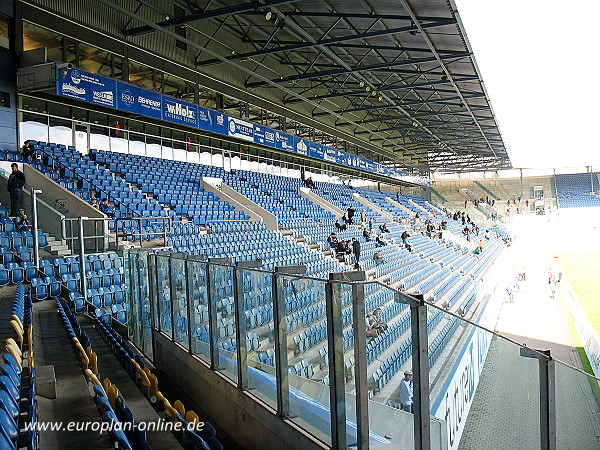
(299, 345)
(143, 223)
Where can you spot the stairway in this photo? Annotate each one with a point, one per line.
(57, 247)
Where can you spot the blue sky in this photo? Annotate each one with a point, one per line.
(540, 65)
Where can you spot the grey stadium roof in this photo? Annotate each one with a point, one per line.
(399, 75)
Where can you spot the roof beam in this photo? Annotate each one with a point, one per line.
(326, 42)
(205, 15)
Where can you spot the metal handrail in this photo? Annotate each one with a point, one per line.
(114, 200)
(165, 220)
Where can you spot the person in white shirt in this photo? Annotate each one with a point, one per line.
(406, 392)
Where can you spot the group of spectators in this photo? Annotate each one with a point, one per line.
(103, 206)
(350, 248)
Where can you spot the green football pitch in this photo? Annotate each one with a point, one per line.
(583, 272)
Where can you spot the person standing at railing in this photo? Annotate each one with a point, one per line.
(406, 392)
(16, 182)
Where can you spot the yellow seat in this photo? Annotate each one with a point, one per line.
(153, 384)
(179, 407)
(192, 418)
(93, 357)
(94, 379)
(113, 393)
(18, 329)
(84, 357)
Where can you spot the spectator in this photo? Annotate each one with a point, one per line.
(370, 223)
(332, 240)
(309, 183)
(406, 392)
(340, 226)
(381, 325)
(379, 258)
(16, 182)
(371, 323)
(106, 208)
(398, 197)
(94, 203)
(383, 227)
(21, 222)
(351, 212)
(379, 241)
(404, 236)
(367, 234)
(363, 217)
(356, 250)
(346, 219)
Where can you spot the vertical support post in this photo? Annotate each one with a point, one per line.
(420, 357)
(213, 330)
(240, 320)
(420, 369)
(83, 280)
(280, 332)
(34, 225)
(188, 296)
(337, 377)
(547, 396)
(360, 361)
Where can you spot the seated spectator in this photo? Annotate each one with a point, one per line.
(381, 325)
(309, 183)
(346, 220)
(379, 258)
(379, 241)
(343, 248)
(383, 227)
(340, 226)
(404, 236)
(367, 234)
(370, 223)
(332, 240)
(21, 222)
(371, 323)
(444, 224)
(94, 203)
(106, 208)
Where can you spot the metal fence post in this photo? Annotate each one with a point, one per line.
(83, 280)
(420, 360)
(213, 329)
(335, 349)
(240, 320)
(360, 361)
(547, 396)
(34, 225)
(280, 335)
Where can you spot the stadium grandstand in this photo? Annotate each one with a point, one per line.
(220, 228)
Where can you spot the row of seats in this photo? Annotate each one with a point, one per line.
(18, 406)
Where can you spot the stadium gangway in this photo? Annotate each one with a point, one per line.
(167, 291)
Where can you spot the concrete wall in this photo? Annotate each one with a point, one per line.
(256, 212)
(252, 425)
(374, 207)
(327, 206)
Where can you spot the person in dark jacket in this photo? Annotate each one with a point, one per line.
(16, 182)
(356, 250)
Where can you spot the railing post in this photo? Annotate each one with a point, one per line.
(335, 350)
(420, 360)
(34, 225)
(83, 281)
(547, 396)
(280, 335)
(360, 361)
(240, 320)
(213, 329)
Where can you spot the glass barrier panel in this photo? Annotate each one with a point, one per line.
(221, 289)
(577, 407)
(198, 304)
(179, 302)
(256, 313)
(307, 362)
(482, 389)
(142, 314)
(163, 294)
(388, 354)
